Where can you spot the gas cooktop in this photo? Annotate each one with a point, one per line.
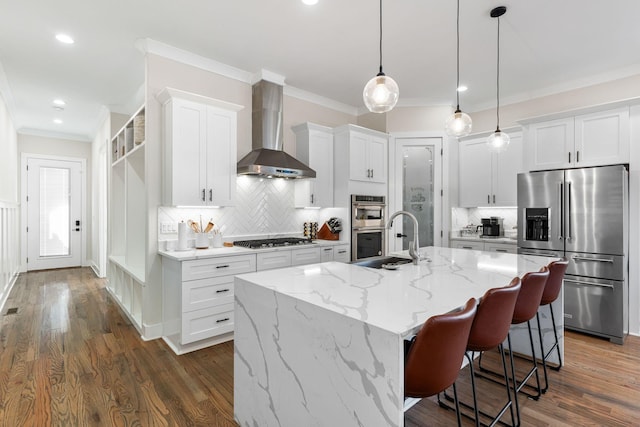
(269, 243)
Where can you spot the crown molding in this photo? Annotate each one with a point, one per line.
(320, 100)
(55, 135)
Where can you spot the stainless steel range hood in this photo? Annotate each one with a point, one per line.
(268, 158)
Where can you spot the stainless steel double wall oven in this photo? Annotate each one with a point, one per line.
(367, 226)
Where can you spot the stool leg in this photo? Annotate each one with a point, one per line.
(455, 397)
(515, 381)
(506, 384)
(555, 334)
(534, 369)
(544, 358)
(473, 388)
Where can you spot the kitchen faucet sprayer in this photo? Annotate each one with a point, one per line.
(414, 245)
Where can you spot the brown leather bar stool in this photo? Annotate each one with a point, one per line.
(489, 330)
(434, 358)
(551, 292)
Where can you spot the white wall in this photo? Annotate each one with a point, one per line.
(32, 144)
(9, 206)
(97, 251)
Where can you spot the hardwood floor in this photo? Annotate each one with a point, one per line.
(70, 358)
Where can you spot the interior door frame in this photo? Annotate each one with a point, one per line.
(395, 183)
(24, 158)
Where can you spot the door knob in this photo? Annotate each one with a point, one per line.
(400, 235)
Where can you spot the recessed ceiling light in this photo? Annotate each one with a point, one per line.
(59, 102)
(57, 121)
(309, 2)
(462, 88)
(63, 38)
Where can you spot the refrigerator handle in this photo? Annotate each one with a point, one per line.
(568, 210)
(561, 205)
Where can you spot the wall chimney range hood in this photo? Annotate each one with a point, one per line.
(267, 157)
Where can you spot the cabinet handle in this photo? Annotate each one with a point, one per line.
(569, 157)
(210, 195)
(579, 258)
(494, 199)
(222, 320)
(467, 247)
(222, 266)
(203, 195)
(577, 157)
(371, 173)
(501, 250)
(342, 252)
(600, 285)
(312, 199)
(327, 249)
(221, 291)
(488, 199)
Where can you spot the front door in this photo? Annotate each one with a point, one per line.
(417, 190)
(54, 209)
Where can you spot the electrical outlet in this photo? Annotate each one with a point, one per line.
(168, 227)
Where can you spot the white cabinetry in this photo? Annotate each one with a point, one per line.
(314, 147)
(198, 300)
(341, 253)
(593, 139)
(271, 260)
(305, 256)
(359, 164)
(484, 246)
(200, 139)
(326, 254)
(127, 246)
(488, 178)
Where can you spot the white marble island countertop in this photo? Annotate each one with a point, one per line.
(399, 300)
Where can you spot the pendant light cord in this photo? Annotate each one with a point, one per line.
(381, 73)
(498, 81)
(458, 57)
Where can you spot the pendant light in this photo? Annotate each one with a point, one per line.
(381, 92)
(498, 141)
(458, 124)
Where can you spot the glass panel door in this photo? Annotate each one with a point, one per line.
(54, 212)
(417, 193)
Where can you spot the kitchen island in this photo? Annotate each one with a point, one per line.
(322, 344)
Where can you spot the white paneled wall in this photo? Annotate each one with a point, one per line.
(9, 248)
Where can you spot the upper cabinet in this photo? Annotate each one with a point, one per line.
(488, 178)
(200, 154)
(594, 139)
(366, 152)
(314, 147)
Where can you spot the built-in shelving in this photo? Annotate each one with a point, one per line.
(127, 217)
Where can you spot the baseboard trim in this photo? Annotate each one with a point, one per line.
(5, 294)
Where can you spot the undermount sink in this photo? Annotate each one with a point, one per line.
(386, 262)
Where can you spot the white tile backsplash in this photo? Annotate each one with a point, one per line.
(461, 217)
(264, 208)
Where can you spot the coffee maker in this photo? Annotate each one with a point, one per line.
(492, 227)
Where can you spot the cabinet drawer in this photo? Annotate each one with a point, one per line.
(271, 260)
(216, 267)
(458, 244)
(305, 256)
(341, 253)
(501, 247)
(326, 254)
(206, 323)
(205, 293)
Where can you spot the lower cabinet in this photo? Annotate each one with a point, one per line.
(198, 300)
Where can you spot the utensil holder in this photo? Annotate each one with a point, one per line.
(202, 240)
(217, 240)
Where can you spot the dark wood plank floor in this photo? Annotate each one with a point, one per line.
(70, 358)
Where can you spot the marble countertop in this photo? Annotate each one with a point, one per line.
(193, 253)
(486, 239)
(399, 300)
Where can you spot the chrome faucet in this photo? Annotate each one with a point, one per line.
(413, 245)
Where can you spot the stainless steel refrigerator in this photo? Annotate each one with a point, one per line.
(582, 214)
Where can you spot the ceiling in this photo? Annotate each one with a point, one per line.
(330, 49)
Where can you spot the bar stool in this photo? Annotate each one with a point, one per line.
(433, 360)
(551, 292)
(489, 330)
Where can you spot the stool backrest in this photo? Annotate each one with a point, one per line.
(434, 360)
(530, 296)
(554, 282)
(493, 319)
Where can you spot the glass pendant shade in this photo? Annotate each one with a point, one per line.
(381, 94)
(458, 124)
(498, 141)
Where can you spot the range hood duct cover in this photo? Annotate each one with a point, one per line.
(268, 157)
